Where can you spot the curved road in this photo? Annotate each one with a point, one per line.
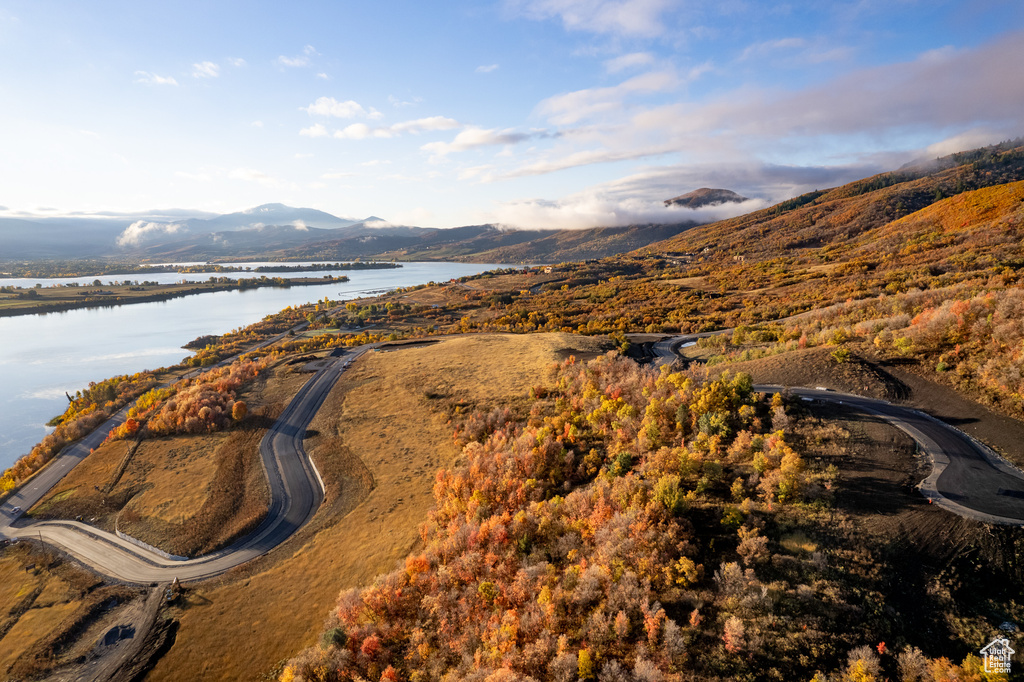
(295, 487)
(967, 478)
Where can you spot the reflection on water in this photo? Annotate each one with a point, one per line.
(42, 356)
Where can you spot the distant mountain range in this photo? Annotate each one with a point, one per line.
(277, 231)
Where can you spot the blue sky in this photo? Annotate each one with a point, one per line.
(538, 113)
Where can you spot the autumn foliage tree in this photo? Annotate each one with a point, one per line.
(202, 404)
(560, 548)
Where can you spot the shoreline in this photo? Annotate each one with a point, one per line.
(165, 292)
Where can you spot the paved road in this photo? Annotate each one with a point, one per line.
(666, 351)
(295, 486)
(967, 477)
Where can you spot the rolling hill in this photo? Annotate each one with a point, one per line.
(817, 227)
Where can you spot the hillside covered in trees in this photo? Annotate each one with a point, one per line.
(640, 525)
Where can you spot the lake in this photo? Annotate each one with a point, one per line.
(42, 356)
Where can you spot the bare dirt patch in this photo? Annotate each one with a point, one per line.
(999, 431)
(882, 530)
(815, 367)
(688, 282)
(377, 441)
(45, 603)
(897, 380)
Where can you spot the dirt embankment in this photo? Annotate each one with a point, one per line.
(47, 608)
(815, 367)
(949, 580)
(881, 525)
(897, 380)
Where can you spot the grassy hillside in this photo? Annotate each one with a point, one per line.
(643, 526)
(804, 227)
(488, 244)
(557, 246)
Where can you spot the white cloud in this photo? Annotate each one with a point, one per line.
(236, 62)
(140, 230)
(323, 76)
(699, 70)
(198, 177)
(415, 216)
(205, 70)
(939, 89)
(299, 60)
(628, 61)
(972, 139)
(633, 18)
(487, 69)
(293, 62)
(595, 208)
(257, 124)
(796, 52)
(153, 79)
(474, 137)
(483, 173)
(337, 176)
(316, 130)
(252, 175)
(429, 123)
(769, 46)
(380, 223)
(401, 104)
(583, 158)
(941, 94)
(328, 106)
(362, 131)
(573, 107)
(748, 177)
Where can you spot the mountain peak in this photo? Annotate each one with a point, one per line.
(705, 196)
(267, 208)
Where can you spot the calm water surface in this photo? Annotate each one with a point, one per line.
(42, 356)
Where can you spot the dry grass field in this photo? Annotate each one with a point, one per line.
(378, 441)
